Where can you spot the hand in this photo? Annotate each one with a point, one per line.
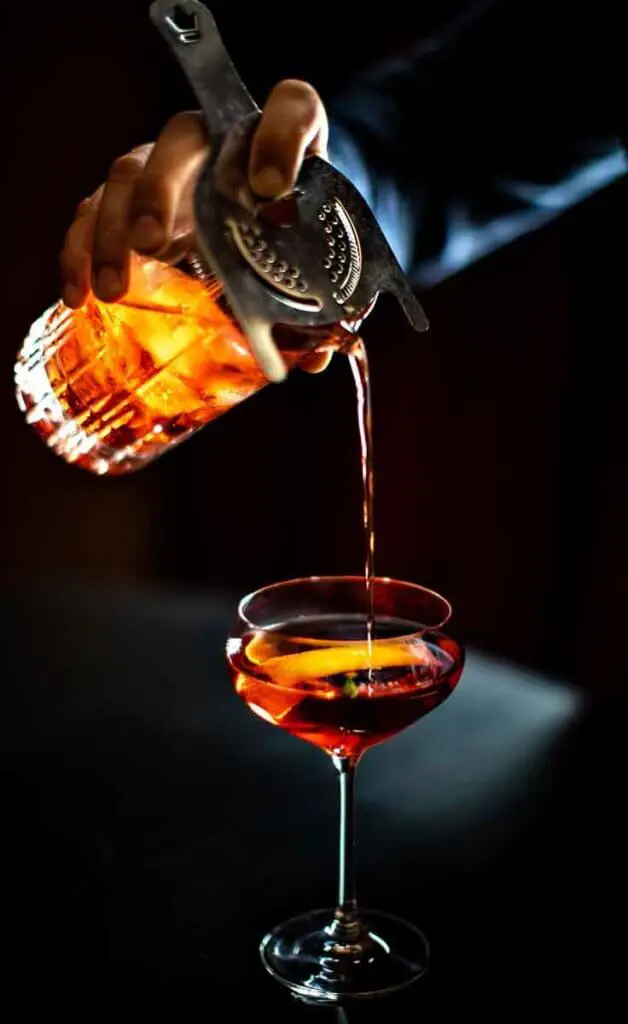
(146, 203)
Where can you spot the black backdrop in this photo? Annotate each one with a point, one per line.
(500, 436)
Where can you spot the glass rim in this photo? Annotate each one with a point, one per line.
(281, 585)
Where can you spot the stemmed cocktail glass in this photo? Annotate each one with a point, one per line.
(303, 659)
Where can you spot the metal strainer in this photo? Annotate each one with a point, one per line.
(315, 258)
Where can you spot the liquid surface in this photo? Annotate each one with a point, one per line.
(323, 681)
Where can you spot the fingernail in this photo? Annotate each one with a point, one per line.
(72, 295)
(268, 182)
(147, 234)
(108, 284)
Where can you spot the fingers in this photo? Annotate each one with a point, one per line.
(316, 362)
(146, 203)
(293, 124)
(161, 212)
(110, 248)
(95, 250)
(75, 261)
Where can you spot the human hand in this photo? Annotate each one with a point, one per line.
(145, 205)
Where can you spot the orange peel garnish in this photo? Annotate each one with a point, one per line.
(354, 657)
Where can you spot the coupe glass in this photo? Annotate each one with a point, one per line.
(303, 659)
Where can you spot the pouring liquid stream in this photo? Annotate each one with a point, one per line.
(358, 361)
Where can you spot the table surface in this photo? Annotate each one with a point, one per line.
(154, 828)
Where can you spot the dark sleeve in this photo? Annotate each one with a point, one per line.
(510, 116)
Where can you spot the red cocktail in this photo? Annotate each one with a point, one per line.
(304, 659)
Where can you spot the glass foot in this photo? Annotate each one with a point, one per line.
(311, 955)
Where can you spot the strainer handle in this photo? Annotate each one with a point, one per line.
(191, 33)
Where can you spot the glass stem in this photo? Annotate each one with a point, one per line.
(347, 926)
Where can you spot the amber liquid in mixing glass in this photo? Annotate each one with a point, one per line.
(110, 386)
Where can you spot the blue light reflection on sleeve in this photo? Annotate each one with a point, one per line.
(468, 241)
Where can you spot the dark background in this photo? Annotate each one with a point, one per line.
(152, 828)
(500, 435)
